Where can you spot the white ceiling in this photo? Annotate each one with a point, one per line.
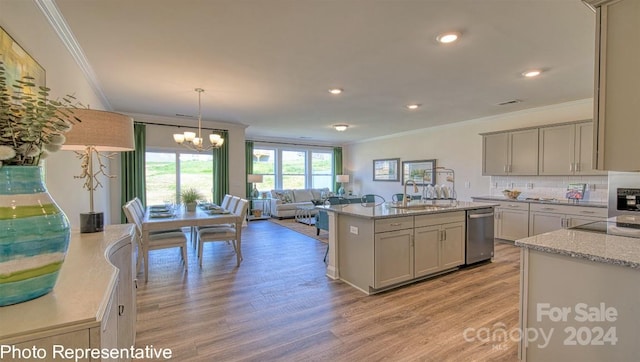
(268, 64)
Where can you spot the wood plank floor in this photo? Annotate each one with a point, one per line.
(280, 306)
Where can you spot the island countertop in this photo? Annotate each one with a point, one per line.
(386, 210)
(593, 246)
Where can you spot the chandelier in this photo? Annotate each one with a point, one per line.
(189, 139)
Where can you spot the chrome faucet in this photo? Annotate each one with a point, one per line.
(404, 193)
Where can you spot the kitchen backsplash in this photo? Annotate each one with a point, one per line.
(550, 187)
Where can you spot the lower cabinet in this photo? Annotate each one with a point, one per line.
(545, 218)
(511, 220)
(432, 243)
(439, 247)
(393, 257)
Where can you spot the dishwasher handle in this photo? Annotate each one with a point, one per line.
(477, 216)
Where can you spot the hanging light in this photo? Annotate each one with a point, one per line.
(189, 139)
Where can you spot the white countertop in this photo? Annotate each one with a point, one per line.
(83, 287)
(386, 210)
(594, 246)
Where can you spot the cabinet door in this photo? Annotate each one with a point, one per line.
(426, 250)
(393, 255)
(557, 147)
(523, 152)
(541, 222)
(494, 154)
(617, 97)
(452, 246)
(126, 303)
(584, 150)
(513, 224)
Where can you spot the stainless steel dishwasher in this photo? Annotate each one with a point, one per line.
(479, 235)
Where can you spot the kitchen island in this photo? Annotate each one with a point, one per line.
(580, 293)
(378, 247)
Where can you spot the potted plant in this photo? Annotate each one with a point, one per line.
(35, 242)
(189, 198)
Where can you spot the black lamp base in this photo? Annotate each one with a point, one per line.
(91, 222)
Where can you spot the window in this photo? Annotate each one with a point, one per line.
(169, 172)
(286, 167)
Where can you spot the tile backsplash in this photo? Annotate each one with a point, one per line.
(551, 187)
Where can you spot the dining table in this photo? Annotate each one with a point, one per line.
(177, 217)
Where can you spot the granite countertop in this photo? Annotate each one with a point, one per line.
(564, 202)
(386, 210)
(597, 247)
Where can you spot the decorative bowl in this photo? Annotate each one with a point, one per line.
(511, 194)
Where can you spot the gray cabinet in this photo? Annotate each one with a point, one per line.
(510, 153)
(439, 242)
(393, 258)
(566, 149)
(547, 217)
(617, 88)
(511, 220)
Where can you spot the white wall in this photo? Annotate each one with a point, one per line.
(457, 146)
(27, 26)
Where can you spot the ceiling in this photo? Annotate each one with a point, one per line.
(268, 64)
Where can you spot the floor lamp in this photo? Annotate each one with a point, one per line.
(95, 132)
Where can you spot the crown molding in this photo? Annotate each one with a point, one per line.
(55, 18)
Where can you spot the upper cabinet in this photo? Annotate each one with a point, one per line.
(617, 84)
(566, 150)
(510, 153)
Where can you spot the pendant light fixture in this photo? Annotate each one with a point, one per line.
(189, 139)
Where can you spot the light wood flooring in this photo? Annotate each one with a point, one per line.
(279, 306)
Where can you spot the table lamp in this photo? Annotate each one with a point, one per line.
(342, 179)
(254, 179)
(97, 131)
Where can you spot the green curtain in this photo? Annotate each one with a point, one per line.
(132, 170)
(221, 169)
(337, 162)
(248, 154)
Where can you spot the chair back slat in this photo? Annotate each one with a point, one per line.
(225, 201)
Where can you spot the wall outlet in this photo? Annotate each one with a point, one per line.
(529, 185)
(591, 187)
(467, 185)
(495, 185)
(353, 229)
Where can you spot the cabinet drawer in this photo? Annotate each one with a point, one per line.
(437, 219)
(396, 223)
(524, 206)
(570, 210)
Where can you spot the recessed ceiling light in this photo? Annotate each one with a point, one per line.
(341, 127)
(532, 73)
(448, 37)
(335, 90)
(413, 106)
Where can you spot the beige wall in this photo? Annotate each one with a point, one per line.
(457, 146)
(26, 24)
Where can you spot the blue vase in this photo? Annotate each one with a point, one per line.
(34, 235)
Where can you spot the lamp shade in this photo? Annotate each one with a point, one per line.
(254, 179)
(105, 131)
(342, 178)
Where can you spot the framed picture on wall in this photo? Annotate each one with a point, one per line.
(422, 172)
(387, 169)
(18, 63)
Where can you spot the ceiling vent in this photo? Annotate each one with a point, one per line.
(513, 101)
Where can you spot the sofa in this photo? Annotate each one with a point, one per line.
(284, 203)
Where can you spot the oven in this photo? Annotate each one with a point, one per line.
(624, 193)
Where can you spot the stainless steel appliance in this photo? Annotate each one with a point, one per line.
(624, 193)
(479, 245)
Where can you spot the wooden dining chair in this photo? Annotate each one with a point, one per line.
(233, 234)
(157, 240)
